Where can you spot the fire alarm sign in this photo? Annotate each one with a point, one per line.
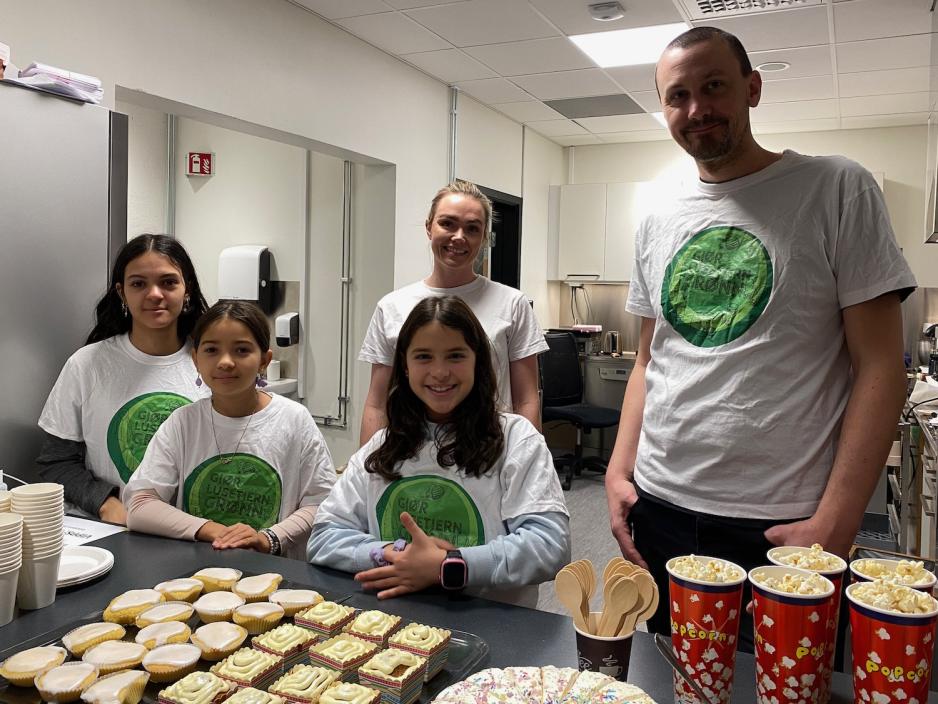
(200, 164)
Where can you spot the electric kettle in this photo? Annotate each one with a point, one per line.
(611, 342)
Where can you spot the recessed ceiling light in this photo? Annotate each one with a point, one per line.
(628, 47)
(773, 66)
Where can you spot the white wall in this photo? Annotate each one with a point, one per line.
(488, 147)
(146, 170)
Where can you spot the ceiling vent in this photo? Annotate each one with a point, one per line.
(716, 9)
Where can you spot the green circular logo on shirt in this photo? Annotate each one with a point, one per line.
(717, 286)
(441, 507)
(131, 428)
(245, 489)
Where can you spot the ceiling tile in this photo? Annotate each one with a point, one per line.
(867, 121)
(413, 4)
(577, 140)
(884, 104)
(648, 99)
(484, 22)
(532, 56)
(620, 123)
(574, 18)
(808, 88)
(821, 125)
(632, 78)
(596, 106)
(556, 128)
(567, 84)
(493, 90)
(900, 80)
(393, 32)
(805, 61)
(527, 111)
(798, 110)
(450, 65)
(337, 9)
(873, 19)
(635, 136)
(804, 26)
(882, 54)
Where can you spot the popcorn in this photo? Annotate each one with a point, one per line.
(715, 571)
(813, 558)
(882, 594)
(804, 584)
(905, 572)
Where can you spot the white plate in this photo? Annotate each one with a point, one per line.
(82, 563)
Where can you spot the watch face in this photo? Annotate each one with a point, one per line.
(453, 574)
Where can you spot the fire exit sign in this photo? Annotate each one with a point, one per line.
(200, 164)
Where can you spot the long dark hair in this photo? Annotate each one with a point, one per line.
(245, 312)
(109, 316)
(472, 439)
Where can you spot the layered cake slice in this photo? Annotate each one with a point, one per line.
(427, 642)
(247, 667)
(374, 626)
(286, 641)
(342, 654)
(325, 619)
(397, 674)
(303, 684)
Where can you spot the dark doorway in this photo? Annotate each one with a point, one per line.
(504, 260)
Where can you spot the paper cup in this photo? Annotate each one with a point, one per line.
(37, 582)
(704, 629)
(606, 654)
(858, 575)
(791, 638)
(892, 652)
(37, 489)
(8, 582)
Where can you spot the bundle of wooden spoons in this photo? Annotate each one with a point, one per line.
(630, 596)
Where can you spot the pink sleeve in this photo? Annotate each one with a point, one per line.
(148, 513)
(294, 530)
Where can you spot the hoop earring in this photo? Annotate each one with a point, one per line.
(260, 382)
(198, 380)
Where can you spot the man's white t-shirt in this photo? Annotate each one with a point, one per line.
(750, 374)
(504, 312)
(113, 397)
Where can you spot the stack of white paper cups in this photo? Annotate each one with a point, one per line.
(11, 557)
(42, 507)
(6, 502)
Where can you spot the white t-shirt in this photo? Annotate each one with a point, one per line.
(281, 463)
(504, 312)
(113, 397)
(750, 374)
(466, 511)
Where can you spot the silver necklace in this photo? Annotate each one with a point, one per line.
(211, 415)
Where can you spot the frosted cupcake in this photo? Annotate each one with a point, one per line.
(21, 668)
(182, 589)
(197, 688)
(217, 579)
(169, 663)
(65, 683)
(218, 640)
(80, 639)
(258, 587)
(295, 600)
(114, 655)
(125, 608)
(217, 606)
(167, 611)
(258, 617)
(163, 634)
(120, 688)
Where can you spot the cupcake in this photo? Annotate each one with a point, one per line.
(162, 634)
(217, 606)
(247, 667)
(374, 626)
(168, 663)
(427, 642)
(120, 688)
(295, 600)
(217, 579)
(125, 608)
(288, 642)
(65, 683)
(258, 587)
(182, 589)
(303, 684)
(349, 693)
(258, 617)
(167, 611)
(218, 640)
(249, 695)
(21, 668)
(80, 639)
(197, 688)
(114, 655)
(342, 654)
(326, 618)
(397, 674)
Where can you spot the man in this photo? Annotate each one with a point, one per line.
(769, 377)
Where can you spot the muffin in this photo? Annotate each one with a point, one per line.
(80, 639)
(21, 668)
(120, 688)
(427, 642)
(249, 695)
(258, 587)
(258, 617)
(349, 693)
(167, 611)
(287, 641)
(216, 579)
(197, 688)
(397, 674)
(65, 683)
(303, 684)
(125, 608)
(247, 667)
(374, 626)
(295, 600)
(182, 589)
(162, 634)
(342, 654)
(326, 618)
(218, 640)
(168, 663)
(217, 606)
(113, 655)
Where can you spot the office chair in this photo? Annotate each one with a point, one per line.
(562, 385)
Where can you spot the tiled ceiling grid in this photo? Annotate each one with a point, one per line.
(853, 63)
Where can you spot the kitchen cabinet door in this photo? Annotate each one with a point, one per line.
(582, 231)
(627, 204)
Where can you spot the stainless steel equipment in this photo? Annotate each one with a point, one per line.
(604, 385)
(611, 342)
(63, 215)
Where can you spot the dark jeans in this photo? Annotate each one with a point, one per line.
(662, 530)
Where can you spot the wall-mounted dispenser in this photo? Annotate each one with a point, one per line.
(244, 275)
(287, 329)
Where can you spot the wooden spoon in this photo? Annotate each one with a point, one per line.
(646, 590)
(650, 610)
(621, 600)
(571, 595)
(611, 566)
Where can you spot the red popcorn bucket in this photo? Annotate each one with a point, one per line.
(892, 652)
(781, 556)
(881, 567)
(791, 637)
(704, 628)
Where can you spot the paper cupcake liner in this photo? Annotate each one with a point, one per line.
(168, 673)
(124, 617)
(80, 649)
(182, 637)
(66, 696)
(214, 616)
(113, 668)
(256, 626)
(26, 679)
(133, 693)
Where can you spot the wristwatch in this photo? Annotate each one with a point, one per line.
(454, 574)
